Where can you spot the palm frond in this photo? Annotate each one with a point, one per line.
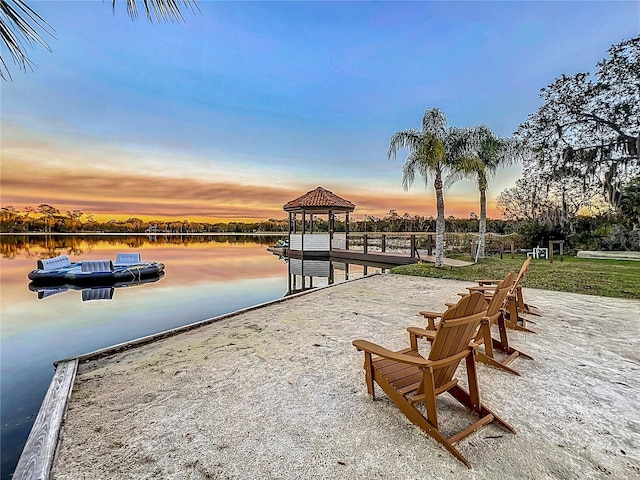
(409, 171)
(409, 139)
(434, 122)
(20, 27)
(162, 10)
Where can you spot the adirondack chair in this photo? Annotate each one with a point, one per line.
(488, 290)
(516, 306)
(409, 379)
(483, 338)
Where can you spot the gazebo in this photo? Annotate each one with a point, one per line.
(304, 242)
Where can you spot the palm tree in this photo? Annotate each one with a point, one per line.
(22, 27)
(432, 152)
(488, 153)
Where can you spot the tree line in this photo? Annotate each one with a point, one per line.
(48, 219)
(584, 232)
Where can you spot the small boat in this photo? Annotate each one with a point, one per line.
(279, 248)
(128, 268)
(92, 292)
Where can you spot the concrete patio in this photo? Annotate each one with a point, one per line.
(278, 392)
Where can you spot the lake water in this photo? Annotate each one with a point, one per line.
(205, 276)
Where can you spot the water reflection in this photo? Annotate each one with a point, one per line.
(48, 246)
(306, 274)
(105, 292)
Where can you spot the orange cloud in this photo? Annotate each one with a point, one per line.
(39, 170)
(113, 195)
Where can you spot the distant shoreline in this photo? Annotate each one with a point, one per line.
(121, 234)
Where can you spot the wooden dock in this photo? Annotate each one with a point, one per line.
(377, 258)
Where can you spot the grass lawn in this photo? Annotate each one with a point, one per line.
(608, 278)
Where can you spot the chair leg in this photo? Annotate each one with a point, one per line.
(509, 350)
(485, 335)
(512, 317)
(368, 375)
(414, 415)
(472, 377)
(487, 360)
(463, 397)
(525, 307)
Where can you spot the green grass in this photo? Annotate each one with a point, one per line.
(608, 278)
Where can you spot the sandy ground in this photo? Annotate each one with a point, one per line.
(279, 393)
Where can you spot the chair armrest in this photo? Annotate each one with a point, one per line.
(483, 288)
(435, 364)
(487, 282)
(422, 333)
(431, 318)
(374, 349)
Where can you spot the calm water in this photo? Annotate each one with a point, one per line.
(205, 276)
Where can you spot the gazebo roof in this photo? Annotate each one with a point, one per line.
(319, 199)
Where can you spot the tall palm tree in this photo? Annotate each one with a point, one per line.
(432, 152)
(22, 27)
(488, 153)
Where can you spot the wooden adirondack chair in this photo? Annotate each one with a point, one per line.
(489, 289)
(516, 306)
(409, 379)
(493, 316)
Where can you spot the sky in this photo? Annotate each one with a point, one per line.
(245, 106)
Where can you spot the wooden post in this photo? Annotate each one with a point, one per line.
(561, 248)
(430, 245)
(330, 230)
(384, 243)
(513, 249)
(550, 251)
(413, 246)
(501, 250)
(365, 240)
(346, 232)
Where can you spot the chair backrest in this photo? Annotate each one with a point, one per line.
(467, 305)
(497, 302)
(128, 258)
(506, 282)
(455, 333)
(97, 266)
(523, 270)
(55, 263)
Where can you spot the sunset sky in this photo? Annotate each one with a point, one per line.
(246, 106)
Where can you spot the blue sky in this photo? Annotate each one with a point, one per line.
(247, 105)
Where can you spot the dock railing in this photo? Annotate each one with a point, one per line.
(408, 243)
(416, 243)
